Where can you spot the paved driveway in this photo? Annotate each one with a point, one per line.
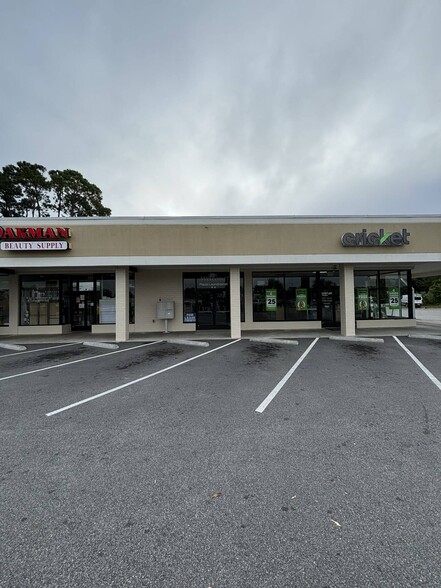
(428, 314)
(154, 468)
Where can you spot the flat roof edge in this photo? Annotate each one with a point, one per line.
(215, 220)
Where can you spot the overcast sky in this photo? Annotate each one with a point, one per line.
(229, 107)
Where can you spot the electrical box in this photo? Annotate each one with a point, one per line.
(165, 310)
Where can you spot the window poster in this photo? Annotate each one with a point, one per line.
(301, 299)
(271, 300)
(394, 297)
(362, 299)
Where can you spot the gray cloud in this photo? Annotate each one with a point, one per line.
(232, 107)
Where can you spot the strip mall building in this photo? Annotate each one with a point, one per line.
(113, 275)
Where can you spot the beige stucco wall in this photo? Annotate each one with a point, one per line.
(238, 240)
(101, 238)
(150, 287)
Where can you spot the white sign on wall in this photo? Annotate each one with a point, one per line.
(34, 245)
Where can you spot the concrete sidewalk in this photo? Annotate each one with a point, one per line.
(423, 328)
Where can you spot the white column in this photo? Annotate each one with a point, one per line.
(235, 302)
(347, 300)
(14, 304)
(122, 304)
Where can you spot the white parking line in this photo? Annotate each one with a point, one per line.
(283, 381)
(171, 367)
(419, 364)
(53, 367)
(41, 349)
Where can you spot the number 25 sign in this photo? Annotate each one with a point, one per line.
(271, 300)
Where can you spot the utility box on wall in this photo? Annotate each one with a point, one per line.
(165, 310)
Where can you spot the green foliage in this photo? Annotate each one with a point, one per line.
(430, 288)
(35, 199)
(10, 193)
(25, 190)
(433, 296)
(76, 196)
(422, 285)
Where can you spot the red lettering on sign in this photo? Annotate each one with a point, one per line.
(50, 233)
(35, 233)
(21, 233)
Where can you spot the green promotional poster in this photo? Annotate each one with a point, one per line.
(394, 297)
(271, 300)
(301, 299)
(362, 299)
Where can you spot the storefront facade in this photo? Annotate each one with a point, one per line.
(111, 275)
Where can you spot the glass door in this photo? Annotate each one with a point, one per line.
(221, 308)
(330, 299)
(83, 304)
(213, 309)
(204, 305)
(212, 301)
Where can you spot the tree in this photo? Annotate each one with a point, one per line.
(25, 190)
(76, 196)
(10, 192)
(34, 187)
(433, 296)
(422, 284)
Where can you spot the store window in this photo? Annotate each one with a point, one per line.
(4, 301)
(65, 302)
(284, 296)
(132, 298)
(301, 298)
(268, 296)
(379, 294)
(366, 295)
(393, 285)
(194, 284)
(105, 290)
(106, 301)
(189, 299)
(242, 297)
(40, 301)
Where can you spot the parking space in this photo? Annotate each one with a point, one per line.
(428, 351)
(169, 476)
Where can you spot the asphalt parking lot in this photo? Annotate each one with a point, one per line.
(239, 464)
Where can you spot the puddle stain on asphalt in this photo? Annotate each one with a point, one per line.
(260, 353)
(362, 349)
(59, 355)
(158, 353)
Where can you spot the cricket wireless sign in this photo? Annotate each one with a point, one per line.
(381, 239)
(34, 239)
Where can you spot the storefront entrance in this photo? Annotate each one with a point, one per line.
(213, 309)
(213, 301)
(330, 299)
(207, 300)
(83, 304)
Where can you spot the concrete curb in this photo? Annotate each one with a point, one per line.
(273, 340)
(356, 339)
(13, 347)
(430, 337)
(102, 345)
(187, 342)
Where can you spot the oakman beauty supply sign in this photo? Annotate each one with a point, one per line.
(34, 238)
(381, 239)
